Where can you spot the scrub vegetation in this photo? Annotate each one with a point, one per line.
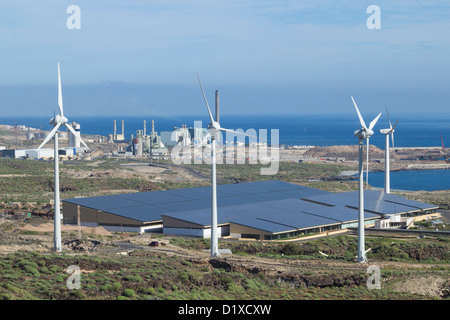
(320, 269)
(150, 275)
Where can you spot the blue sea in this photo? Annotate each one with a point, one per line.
(413, 180)
(413, 130)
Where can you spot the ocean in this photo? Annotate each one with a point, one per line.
(416, 130)
(413, 180)
(413, 130)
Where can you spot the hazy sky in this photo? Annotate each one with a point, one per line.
(278, 56)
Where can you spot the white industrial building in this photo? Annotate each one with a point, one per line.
(74, 140)
(27, 153)
(177, 137)
(39, 153)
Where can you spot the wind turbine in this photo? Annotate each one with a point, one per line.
(362, 134)
(390, 130)
(57, 121)
(213, 129)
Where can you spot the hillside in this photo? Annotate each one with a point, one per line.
(123, 266)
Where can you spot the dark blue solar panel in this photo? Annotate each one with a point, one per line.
(276, 185)
(187, 205)
(269, 196)
(201, 217)
(375, 201)
(269, 205)
(262, 225)
(233, 201)
(103, 202)
(298, 220)
(238, 188)
(195, 193)
(154, 197)
(341, 214)
(140, 213)
(305, 192)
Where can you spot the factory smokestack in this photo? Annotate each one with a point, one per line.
(123, 129)
(217, 105)
(115, 129)
(145, 128)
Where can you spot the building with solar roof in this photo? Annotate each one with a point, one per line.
(264, 210)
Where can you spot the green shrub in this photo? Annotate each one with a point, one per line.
(186, 263)
(105, 287)
(196, 278)
(5, 296)
(77, 294)
(183, 277)
(116, 286)
(149, 291)
(31, 270)
(129, 293)
(133, 278)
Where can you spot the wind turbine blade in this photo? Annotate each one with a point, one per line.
(389, 119)
(374, 121)
(361, 120)
(395, 124)
(76, 134)
(50, 135)
(60, 101)
(206, 101)
(236, 132)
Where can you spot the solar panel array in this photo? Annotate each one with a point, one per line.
(273, 206)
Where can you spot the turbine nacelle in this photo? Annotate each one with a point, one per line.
(387, 131)
(215, 126)
(58, 119)
(363, 133)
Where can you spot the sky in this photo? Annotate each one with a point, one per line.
(125, 57)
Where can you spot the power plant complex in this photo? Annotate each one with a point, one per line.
(73, 147)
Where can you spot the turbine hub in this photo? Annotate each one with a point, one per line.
(60, 119)
(363, 133)
(214, 126)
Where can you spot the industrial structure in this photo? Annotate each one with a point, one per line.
(141, 144)
(74, 138)
(144, 144)
(117, 137)
(264, 210)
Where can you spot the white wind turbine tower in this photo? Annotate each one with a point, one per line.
(214, 128)
(367, 162)
(390, 130)
(363, 133)
(57, 121)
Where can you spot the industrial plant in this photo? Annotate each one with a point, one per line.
(72, 149)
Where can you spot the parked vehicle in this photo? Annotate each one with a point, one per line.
(154, 244)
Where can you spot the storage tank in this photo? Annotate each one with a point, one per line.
(135, 146)
(74, 140)
(30, 136)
